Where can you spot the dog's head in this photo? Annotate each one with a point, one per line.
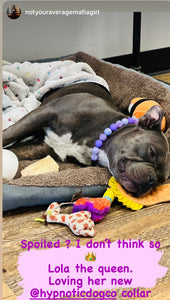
(141, 157)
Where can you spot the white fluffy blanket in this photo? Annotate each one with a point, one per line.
(24, 84)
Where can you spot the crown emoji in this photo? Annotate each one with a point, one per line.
(90, 257)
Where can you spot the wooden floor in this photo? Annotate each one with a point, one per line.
(163, 77)
(152, 223)
(7, 293)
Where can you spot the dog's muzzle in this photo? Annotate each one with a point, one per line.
(135, 179)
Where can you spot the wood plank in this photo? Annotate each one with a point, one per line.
(7, 294)
(164, 77)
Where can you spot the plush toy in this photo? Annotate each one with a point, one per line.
(99, 207)
(86, 210)
(139, 106)
(80, 223)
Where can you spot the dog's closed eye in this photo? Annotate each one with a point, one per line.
(152, 153)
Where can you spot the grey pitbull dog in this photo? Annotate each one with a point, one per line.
(69, 121)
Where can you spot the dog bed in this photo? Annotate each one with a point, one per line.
(50, 187)
(124, 84)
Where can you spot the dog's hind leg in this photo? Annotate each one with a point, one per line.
(28, 125)
(32, 149)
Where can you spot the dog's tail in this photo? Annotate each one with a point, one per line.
(28, 125)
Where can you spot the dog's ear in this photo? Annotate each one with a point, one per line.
(152, 118)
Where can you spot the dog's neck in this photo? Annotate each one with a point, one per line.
(103, 159)
(103, 137)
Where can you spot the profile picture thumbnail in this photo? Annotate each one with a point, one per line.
(13, 11)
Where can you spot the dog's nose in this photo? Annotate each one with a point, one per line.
(152, 180)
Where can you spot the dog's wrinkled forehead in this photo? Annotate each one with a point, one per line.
(151, 144)
(147, 143)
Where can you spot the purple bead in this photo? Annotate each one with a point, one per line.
(125, 121)
(98, 143)
(95, 150)
(131, 120)
(119, 124)
(113, 127)
(103, 137)
(108, 131)
(94, 157)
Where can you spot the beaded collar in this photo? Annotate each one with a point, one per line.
(107, 132)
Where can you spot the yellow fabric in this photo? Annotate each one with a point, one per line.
(114, 192)
(157, 195)
(39, 220)
(110, 193)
